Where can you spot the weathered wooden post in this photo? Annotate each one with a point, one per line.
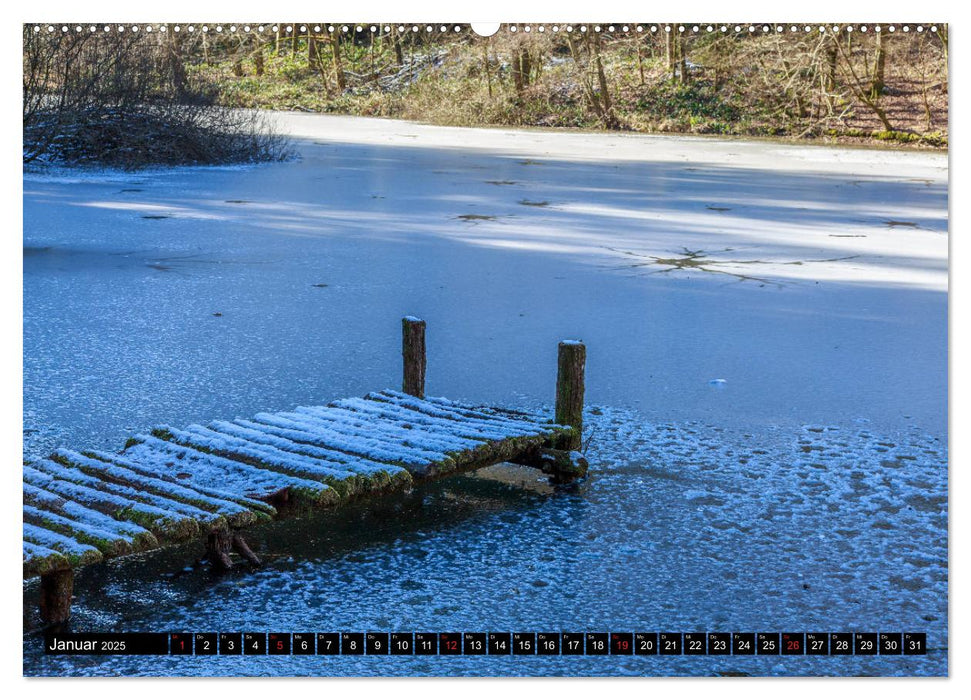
(413, 354)
(220, 542)
(56, 591)
(569, 389)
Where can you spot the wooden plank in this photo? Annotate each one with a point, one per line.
(49, 502)
(57, 468)
(163, 471)
(377, 442)
(346, 483)
(108, 543)
(397, 432)
(164, 524)
(493, 411)
(428, 423)
(417, 434)
(203, 470)
(76, 553)
(443, 408)
(40, 560)
(491, 447)
(235, 514)
(376, 475)
(173, 484)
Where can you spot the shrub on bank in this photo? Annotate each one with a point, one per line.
(126, 101)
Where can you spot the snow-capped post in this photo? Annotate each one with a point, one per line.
(56, 591)
(413, 354)
(569, 389)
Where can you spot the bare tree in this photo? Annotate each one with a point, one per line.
(586, 56)
(877, 84)
(125, 99)
(335, 48)
(860, 87)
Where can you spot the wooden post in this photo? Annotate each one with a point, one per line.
(569, 389)
(413, 354)
(243, 549)
(56, 591)
(218, 545)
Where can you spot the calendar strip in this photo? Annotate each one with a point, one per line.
(490, 643)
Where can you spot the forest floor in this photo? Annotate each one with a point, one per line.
(446, 90)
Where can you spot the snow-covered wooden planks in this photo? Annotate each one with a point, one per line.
(175, 484)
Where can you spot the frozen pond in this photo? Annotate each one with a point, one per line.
(805, 490)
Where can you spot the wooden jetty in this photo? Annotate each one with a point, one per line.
(210, 482)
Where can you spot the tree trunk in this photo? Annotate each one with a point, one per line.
(373, 74)
(485, 62)
(640, 62)
(831, 58)
(177, 68)
(258, 58)
(585, 79)
(669, 54)
(682, 60)
(396, 43)
(943, 34)
(335, 46)
(879, 62)
(609, 120)
(205, 50)
(521, 69)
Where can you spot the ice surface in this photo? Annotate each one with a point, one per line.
(772, 502)
(682, 526)
(838, 295)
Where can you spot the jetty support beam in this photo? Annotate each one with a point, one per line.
(221, 542)
(413, 354)
(243, 550)
(218, 545)
(56, 592)
(571, 362)
(564, 466)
